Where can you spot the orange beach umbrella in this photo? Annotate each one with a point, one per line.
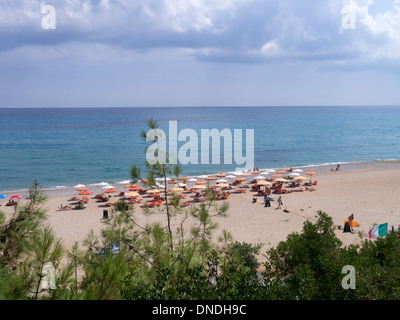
(111, 190)
(85, 192)
(310, 173)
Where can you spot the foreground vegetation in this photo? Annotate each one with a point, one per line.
(308, 265)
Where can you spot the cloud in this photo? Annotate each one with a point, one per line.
(244, 31)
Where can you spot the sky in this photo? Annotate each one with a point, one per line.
(139, 53)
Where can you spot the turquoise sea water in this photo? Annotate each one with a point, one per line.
(64, 147)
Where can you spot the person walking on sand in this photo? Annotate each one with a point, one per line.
(279, 202)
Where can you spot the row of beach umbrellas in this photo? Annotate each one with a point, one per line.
(220, 179)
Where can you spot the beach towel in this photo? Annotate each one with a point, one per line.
(378, 231)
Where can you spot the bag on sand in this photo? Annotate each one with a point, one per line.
(347, 227)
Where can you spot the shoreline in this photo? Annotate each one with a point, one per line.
(318, 168)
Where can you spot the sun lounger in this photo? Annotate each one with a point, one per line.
(311, 189)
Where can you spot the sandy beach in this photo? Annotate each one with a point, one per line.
(370, 193)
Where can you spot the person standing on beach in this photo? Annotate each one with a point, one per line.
(267, 203)
(279, 202)
(351, 218)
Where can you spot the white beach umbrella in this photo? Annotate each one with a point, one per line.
(231, 176)
(237, 173)
(297, 170)
(203, 176)
(192, 180)
(264, 183)
(294, 174)
(221, 180)
(259, 177)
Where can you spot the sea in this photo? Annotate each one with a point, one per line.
(63, 147)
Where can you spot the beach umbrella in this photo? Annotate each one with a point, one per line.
(131, 195)
(241, 179)
(246, 174)
(221, 175)
(297, 170)
(271, 170)
(184, 178)
(200, 187)
(200, 182)
(221, 181)
(310, 173)
(259, 177)
(294, 174)
(230, 176)
(153, 191)
(176, 189)
(82, 189)
(211, 178)
(287, 169)
(131, 185)
(263, 183)
(222, 185)
(2, 196)
(173, 181)
(281, 171)
(237, 173)
(111, 190)
(192, 180)
(135, 188)
(276, 176)
(300, 178)
(203, 176)
(85, 192)
(281, 180)
(255, 172)
(15, 197)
